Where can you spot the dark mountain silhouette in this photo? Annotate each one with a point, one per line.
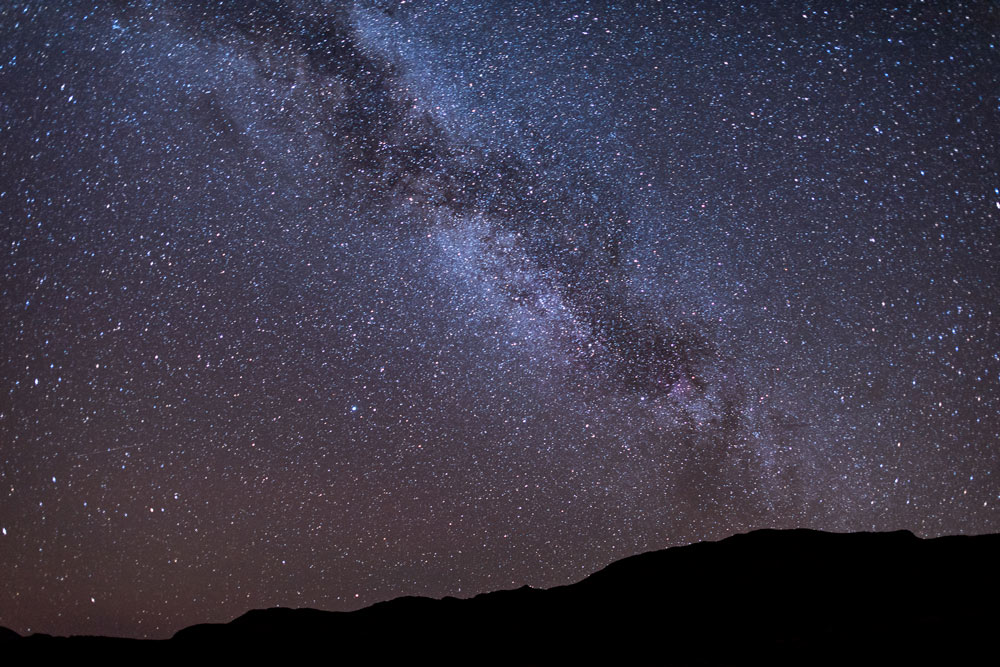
(795, 596)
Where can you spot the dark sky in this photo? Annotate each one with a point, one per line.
(318, 303)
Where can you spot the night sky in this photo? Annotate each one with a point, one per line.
(318, 304)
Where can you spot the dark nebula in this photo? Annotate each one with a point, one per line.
(323, 303)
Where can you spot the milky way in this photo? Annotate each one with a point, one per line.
(322, 303)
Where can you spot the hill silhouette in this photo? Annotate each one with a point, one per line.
(796, 596)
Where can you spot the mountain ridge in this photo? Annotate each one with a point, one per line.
(774, 595)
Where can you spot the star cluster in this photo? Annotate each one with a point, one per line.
(318, 303)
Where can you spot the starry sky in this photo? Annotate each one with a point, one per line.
(315, 303)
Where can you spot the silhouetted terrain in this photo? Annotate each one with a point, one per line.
(777, 596)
